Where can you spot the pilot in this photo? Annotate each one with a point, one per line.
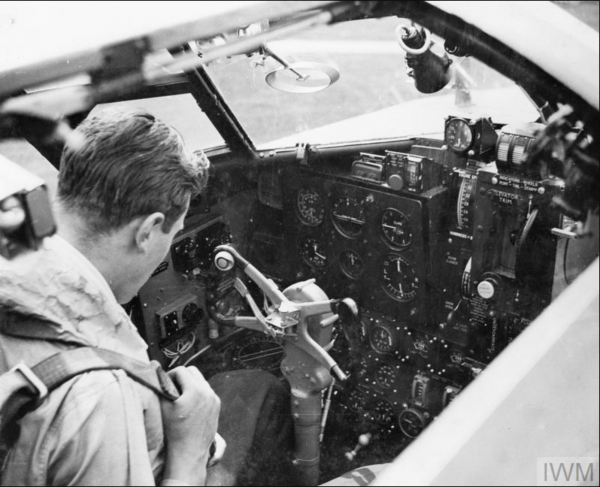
(125, 185)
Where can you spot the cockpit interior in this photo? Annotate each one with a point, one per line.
(395, 196)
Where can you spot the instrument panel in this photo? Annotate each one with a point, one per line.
(370, 242)
(398, 232)
(360, 242)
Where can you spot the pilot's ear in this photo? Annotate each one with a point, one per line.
(147, 229)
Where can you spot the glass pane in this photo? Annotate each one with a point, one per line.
(182, 112)
(374, 97)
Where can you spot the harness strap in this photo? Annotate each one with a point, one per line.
(22, 388)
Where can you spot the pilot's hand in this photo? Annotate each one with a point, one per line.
(190, 427)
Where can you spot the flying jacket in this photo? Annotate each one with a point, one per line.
(100, 428)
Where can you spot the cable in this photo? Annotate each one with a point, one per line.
(215, 344)
(182, 347)
(196, 355)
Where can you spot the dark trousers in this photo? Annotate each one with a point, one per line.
(255, 421)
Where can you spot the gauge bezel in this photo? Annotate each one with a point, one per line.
(393, 337)
(361, 400)
(304, 220)
(306, 260)
(394, 382)
(464, 148)
(344, 268)
(375, 409)
(384, 237)
(418, 415)
(339, 225)
(410, 296)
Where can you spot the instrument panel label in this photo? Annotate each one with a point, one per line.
(504, 197)
(518, 183)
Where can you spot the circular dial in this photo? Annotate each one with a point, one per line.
(412, 422)
(352, 263)
(459, 135)
(383, 338)
(398, 278)
(395, 228)
(310, 207)
(313, 252)
(382, 412)
(357, 400)
(385, 376)
(348, 216)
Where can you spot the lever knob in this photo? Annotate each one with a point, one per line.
(224, 261)
(363, 441)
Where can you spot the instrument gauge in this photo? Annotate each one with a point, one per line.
(352, 263)
(348, 216)
(313, 252)
(459, 135)
(399, 278)
(383, 338)
(310, 207)
(412, 422)
(395, 228)
(382, 413)
(357, 400)
(385, 376)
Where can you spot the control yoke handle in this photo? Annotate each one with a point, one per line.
(286, 319)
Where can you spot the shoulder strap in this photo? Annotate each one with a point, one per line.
(23, 388)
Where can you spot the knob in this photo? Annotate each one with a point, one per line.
(363, 441)
(192, 314)
(395, 182)
(224, 261)
(488, 287)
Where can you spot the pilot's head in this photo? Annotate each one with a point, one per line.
(125, 185)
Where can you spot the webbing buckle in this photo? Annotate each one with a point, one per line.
(38, 385)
